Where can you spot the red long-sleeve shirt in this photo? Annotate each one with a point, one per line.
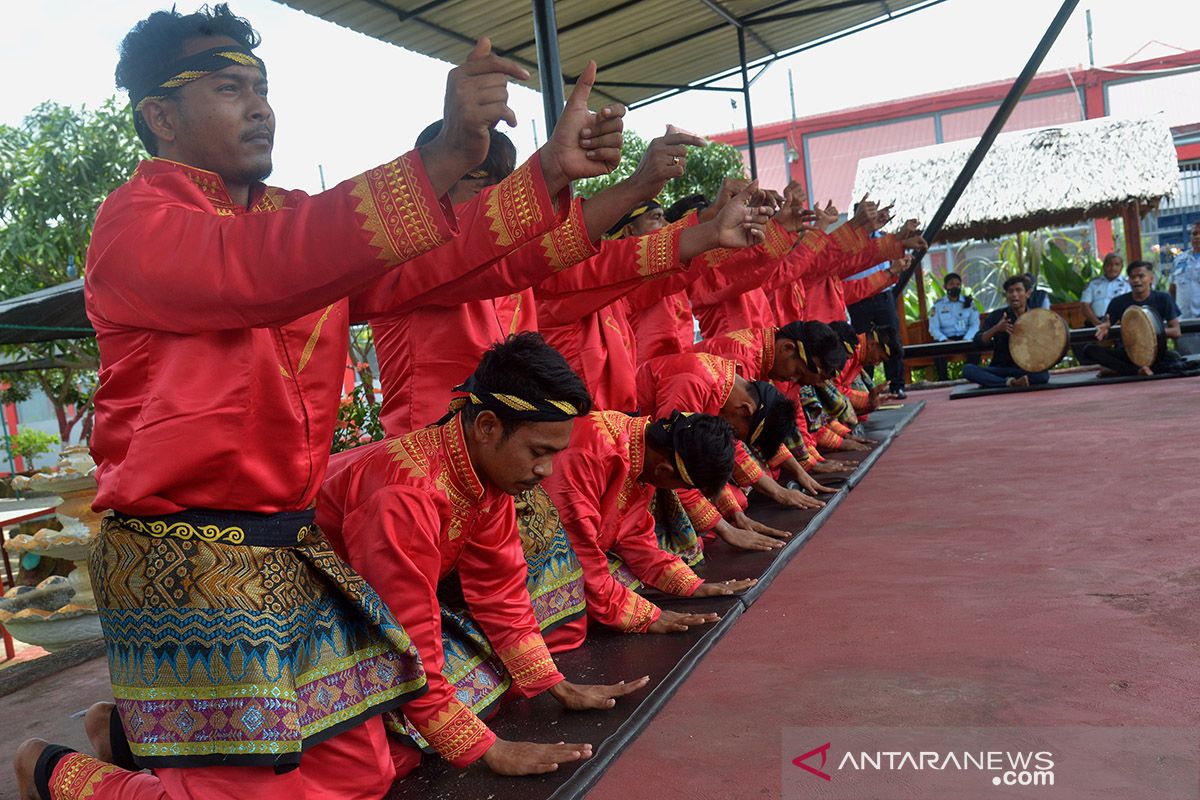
(604, 507)
(223, 330)
(405, 513)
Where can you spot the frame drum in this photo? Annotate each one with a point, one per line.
(1039, 340)
(1143, 335)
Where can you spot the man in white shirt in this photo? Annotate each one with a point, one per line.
(1185, 287)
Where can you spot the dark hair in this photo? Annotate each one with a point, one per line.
(950, 276)
(779, 427)
(819, 341)
(155, 43)
(1139, 264)
(706, 446)
(502, 153)
(845, 332)
(677, 210)
(1029, 281)
(1014, 280)
(524, 365)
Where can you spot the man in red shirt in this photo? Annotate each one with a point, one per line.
(602, 486)
(237, 640)
(410, 510)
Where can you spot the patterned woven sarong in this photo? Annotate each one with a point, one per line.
(555, 577)
(674, 528)
(223, 651)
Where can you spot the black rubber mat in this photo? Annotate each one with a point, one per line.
(608, 657)
(1069, 380)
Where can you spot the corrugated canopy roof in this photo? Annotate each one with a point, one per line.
(1031, 179)
(643, 47)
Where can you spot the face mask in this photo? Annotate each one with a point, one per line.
(954, 293)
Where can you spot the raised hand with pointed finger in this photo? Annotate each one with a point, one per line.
(476, 100)
(665, 158)
(585, 144)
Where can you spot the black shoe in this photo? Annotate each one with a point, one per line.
(900, 394)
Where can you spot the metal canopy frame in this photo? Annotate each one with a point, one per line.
(747, 28)
(552, 78)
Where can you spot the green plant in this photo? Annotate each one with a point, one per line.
(706, 167)
(358, 417)
(55, 169)
(30, 443)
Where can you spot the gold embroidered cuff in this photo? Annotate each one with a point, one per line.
(568, 244)
(638, 615)
(828, 439)
(778, 241)
(529, 663)
(781, 455)
(658, 253)
(850, 239)
(726, 501)
(890, 248)
(746, 471)
(703, 514)
(519, 208)
(679, 580)
(402, 217)
(455, 732)
(79, 775)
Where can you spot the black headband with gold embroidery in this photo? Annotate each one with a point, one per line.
(633, 214)
(665, 434)
(510, 406)
(767, 396)
(193, 68)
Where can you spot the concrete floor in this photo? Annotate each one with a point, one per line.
(1010, 561)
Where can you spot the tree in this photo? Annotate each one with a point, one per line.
(706, 167)
(55, 170)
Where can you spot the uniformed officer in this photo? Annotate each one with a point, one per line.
(1100, 291)
(1185, 285)
(953, 319)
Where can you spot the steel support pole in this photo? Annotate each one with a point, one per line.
(741, 34)
(545, 35)
(934, 226)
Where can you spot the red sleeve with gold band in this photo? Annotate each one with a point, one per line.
(678, 579)
(638, 614)
(495, 224)
(493, 573)
(781, 455)
(860, 399)
(457, 734)
(618, 268)
(839, 428)
(746, 469)
(703, 514)
(161, 259)
(859, 251)
(729, 501)
(869, 286)
(828, 439)
(578, 485)
(530, 665)
(391, 538)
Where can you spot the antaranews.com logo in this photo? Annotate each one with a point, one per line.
(1073, 763)
(1007, 768)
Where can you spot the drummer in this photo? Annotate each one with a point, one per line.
(1115, 361)
(995, 332)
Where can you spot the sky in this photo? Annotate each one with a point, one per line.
(345, 102)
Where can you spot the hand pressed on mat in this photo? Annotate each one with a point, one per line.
(587, 696)
(674, 622)
(531, 758)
